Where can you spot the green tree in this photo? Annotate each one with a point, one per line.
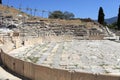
(68, 15)
(61, 15)
(35, 10)
(113, 25)
(30, 11)
(56, 15)
(118, 20)
(43, 11)
(101, 16)
(0, 1)
(27, 9)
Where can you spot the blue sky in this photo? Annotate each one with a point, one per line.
(81, 8)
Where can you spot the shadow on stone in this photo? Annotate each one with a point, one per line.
(13, 73)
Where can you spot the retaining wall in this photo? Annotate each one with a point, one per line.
(38, 72)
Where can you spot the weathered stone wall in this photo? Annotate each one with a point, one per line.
(38, 72)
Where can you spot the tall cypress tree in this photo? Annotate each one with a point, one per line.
(0, 1)
(118, 20)
(101, 16)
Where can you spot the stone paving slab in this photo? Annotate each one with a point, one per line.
(95, 56)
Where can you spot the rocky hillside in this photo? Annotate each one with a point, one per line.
(36, 26)
(111, 20)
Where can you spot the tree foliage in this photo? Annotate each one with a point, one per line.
(118, 20)
(101, 16)
(56, 15)
(113, 25)
(0, 1)
(61, 15)
(68, 15)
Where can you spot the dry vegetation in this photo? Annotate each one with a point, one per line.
(10, 11)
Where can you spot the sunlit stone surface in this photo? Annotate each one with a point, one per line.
(95, 56)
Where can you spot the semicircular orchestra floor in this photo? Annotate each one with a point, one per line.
(94, 56)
